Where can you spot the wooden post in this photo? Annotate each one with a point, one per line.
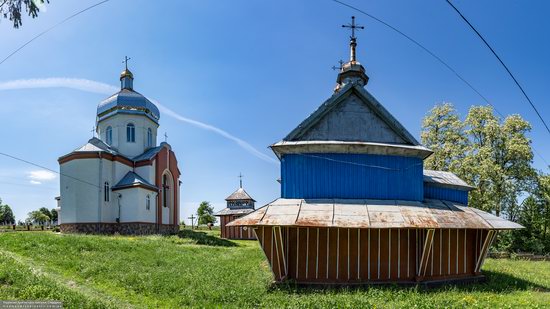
(426, 248)
(484, 250)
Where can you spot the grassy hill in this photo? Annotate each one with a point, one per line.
(199, 269)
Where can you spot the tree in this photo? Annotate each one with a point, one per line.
(54, 215)
(6, 215)
(205, 213)
(498, 160)
(37, 216)
(443, 132)
(12, 10)
(46, 212)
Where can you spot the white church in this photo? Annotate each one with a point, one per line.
(121, 181)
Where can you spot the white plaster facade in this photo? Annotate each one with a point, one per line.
(114, 178)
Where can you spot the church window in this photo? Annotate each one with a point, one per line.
(131, 133)
(149, 137)
(106, 192)
(148, 202)
(109, 135)
(164, 191)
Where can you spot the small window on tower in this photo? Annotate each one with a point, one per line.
(148, 202)
(149, 137)
(109, 135)
(106, 192)
(131, 133)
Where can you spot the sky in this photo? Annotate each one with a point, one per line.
(233, 77)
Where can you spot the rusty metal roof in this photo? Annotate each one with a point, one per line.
(446, 179)
(372, 214)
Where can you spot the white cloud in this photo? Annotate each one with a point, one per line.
(39, 176)
(102, 88)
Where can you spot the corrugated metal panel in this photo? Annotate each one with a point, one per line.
(351, 176)
(373, 214)
(453, 195)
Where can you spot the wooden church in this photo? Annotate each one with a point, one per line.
(357, 205)
(239, 203)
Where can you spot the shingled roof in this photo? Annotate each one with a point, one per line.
(239, 195)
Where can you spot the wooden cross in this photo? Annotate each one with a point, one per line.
(353, 26)
(192, 218)
(126, 61)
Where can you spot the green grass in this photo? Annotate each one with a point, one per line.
(198, 269)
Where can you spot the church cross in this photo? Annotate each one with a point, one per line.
(192, 220)
(240, 180)
(353, 26)
(165, 137)
(126, 61)
(93, 132)
(341, 63)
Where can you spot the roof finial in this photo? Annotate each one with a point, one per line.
(126, 77)
(352, 38)
(240, 180)
(126, 61)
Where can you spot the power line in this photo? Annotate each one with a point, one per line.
(438, 59)
(504, 65)
(48, 169)
(51, 28)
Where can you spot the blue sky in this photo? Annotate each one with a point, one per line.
(254, 69)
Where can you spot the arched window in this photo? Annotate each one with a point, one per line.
(131, 133)
(106, 191)
(164, 191)
(149, 137)
(148, 202)
(109, 135)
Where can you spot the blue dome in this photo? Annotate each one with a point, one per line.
(127, 101)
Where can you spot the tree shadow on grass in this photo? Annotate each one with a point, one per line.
(496, 282)
(201, 238)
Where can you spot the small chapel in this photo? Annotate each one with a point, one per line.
(357, 205)
(239, 203)
(121, 181)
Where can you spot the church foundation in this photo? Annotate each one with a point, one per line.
(129, 228)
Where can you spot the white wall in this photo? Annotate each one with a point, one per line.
(132, 205)
(118, 123)
(80, 200)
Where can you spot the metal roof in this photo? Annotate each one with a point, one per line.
(132, 179)
(446, 179)
(95, 145)
(239, 195)
(229, 211)
(347, 213)
(127, 101)
(149, 153)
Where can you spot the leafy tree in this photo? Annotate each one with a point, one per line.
(6, 214)
(54, 215)
(37, 216)
(205, 213)
(13, 9)
(443, 132)
(46, 212)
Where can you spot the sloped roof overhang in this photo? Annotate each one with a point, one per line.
(289, 147)
(347, 213)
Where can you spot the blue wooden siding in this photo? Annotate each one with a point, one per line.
(447, 194)
(351, 176)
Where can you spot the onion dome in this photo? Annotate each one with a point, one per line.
(127, 101)
(352, 71)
